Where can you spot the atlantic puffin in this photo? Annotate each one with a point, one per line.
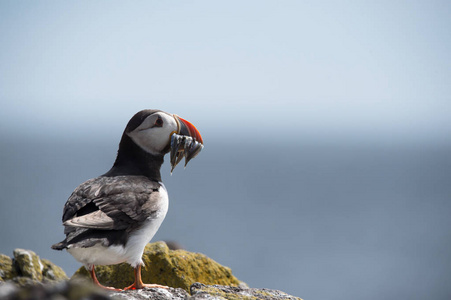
(110, 219)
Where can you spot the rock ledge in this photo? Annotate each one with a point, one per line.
(191, 276)
(78, 289)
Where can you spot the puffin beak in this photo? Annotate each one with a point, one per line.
(187, 142)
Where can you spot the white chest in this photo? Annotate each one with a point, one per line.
(139, 238)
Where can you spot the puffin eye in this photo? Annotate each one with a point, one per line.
(158, 122)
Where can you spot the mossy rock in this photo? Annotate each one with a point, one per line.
(28, 263)
(52, 271)
(7, 268)
(27, 268)
(174, 268)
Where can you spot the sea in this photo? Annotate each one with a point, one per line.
(342, 219)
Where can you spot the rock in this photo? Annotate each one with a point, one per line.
(7, 289)
(151, 294)
(27, 268)
(28, 264)
(174, 268)
(29, 277)
(7, 268)
(81, 289)
(201, 291)
(173, 245)
(62, 290)
(52, 271)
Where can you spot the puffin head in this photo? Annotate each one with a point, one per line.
(158, 132)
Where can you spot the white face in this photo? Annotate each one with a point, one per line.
(154, 133)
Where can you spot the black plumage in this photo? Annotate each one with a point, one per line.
(122, 204)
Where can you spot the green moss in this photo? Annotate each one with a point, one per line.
(118, 276)
(7, 269)
(52, 271)
(24, 281)
(28, 263)
(174, 268)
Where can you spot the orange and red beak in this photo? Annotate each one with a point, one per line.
(187, 128)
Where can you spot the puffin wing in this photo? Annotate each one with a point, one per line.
(112, 203)
(95, 220)
(79, 201)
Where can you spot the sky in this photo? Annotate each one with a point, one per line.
(328, 69)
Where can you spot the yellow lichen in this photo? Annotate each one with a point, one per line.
(52, 271)
(174, 268)
(7, 269)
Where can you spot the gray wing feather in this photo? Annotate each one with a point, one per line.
(95, 220)
(121, 200)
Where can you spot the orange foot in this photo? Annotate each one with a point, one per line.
(139, 283)
(97, 283)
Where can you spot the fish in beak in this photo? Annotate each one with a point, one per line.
(186, 142)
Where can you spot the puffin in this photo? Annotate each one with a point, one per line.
(109, 219)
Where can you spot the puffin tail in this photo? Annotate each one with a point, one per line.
(60, 246)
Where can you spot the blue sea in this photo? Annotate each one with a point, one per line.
(317, 219)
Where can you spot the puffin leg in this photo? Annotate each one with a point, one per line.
(138, 284)
(96, 281)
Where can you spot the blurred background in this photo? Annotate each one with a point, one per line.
(327, 165)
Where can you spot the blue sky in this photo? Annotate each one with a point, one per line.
(328, 68)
